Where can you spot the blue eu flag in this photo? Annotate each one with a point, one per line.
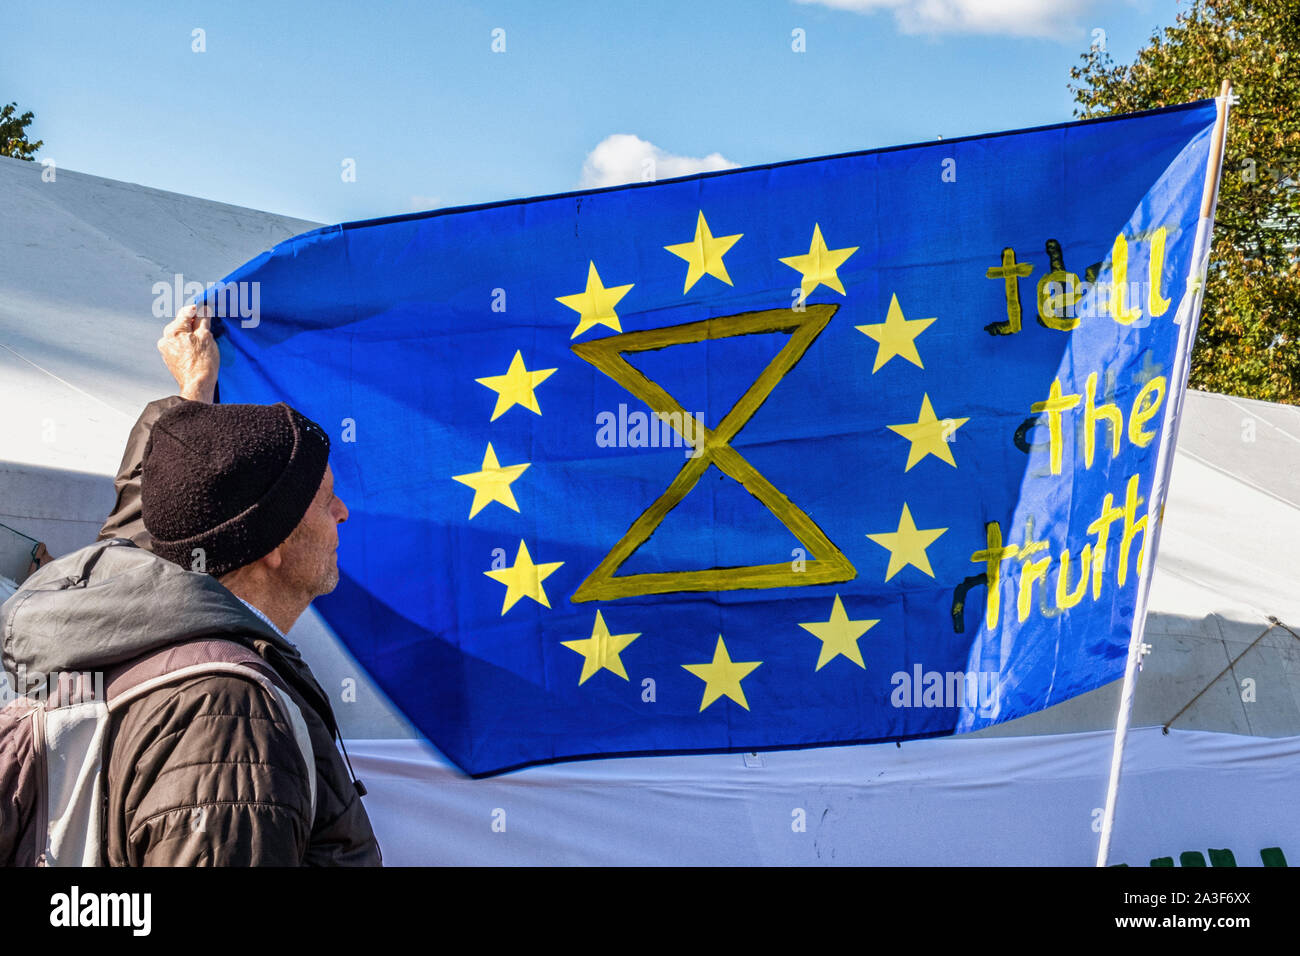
(840, 450)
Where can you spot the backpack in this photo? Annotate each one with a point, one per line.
(54, 752)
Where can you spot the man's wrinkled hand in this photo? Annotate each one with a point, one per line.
(191, 354)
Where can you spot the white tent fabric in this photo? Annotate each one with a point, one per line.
(81, 260)
(1024, 801)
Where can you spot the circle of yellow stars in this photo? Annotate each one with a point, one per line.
(928, 436)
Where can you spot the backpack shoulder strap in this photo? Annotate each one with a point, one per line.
(20, 784)
(125, 681)
(204, 657)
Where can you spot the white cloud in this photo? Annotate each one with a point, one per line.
(1032, 18)
(422, 203)
(624, 158)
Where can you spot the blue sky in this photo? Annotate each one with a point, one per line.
(413, 92)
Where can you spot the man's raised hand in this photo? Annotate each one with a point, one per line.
(191, 354)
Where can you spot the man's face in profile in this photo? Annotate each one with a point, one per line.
(311, 551)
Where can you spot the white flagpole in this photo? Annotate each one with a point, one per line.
(1188, 315)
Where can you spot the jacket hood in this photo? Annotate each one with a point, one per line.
(113, 601)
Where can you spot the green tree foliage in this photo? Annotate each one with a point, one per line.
(13, 133)
(1249, 338)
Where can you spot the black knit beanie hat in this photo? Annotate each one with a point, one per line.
(233, 480)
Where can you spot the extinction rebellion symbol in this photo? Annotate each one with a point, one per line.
(828, 564)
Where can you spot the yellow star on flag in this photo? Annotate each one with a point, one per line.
(492, 483)
(516, 386)
(601, 650)
(704, 254)
(524, 579)
(722, 676)
(595, 305)
(839, 635)
(896, 335)
(929, 435)
(819, 264)
(907, 545)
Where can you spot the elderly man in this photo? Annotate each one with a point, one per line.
(237, 504)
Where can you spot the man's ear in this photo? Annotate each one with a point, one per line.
(273, 559)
